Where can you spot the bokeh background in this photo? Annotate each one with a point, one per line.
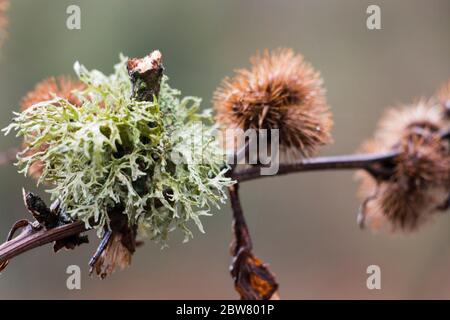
(304, 225)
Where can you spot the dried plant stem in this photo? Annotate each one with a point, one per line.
(377, 164)
(370, 162)
(240, 230)
(33, 237)
(252, 278)
(246, 269)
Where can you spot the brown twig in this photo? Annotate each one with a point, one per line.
(34, 236)
(242, 237)
(100, 249)
(380, 165)
(51, 225)
(252, 278)
(373, 163)
(145, 75)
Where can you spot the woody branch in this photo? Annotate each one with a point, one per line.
(35, 238)
(31, 238)
(378, 164)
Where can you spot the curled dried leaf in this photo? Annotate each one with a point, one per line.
(114, 255)
(252, 278)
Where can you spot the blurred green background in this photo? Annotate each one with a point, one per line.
(304, 225)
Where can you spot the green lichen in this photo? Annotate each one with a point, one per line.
(158, 161)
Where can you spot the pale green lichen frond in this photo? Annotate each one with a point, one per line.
(158, 161)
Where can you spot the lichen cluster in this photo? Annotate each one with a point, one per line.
(157, 162)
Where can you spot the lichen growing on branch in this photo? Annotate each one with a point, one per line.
(113, 153)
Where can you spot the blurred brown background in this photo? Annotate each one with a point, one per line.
(304, 225)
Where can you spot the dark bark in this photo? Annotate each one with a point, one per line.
(252, 278)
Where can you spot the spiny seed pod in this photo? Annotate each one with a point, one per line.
(420, 180)
(280, 91)
(46, 90)
(49, 88)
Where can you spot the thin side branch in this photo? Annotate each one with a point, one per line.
(252, 278)
(145, 75)
(380, 165)
(242, 237)
(34, 236)
(370, 162)
(244, 263)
